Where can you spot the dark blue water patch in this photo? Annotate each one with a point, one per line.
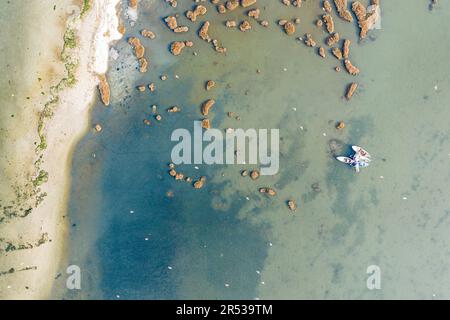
(141, 231)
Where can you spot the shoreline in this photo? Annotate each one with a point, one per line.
(94, 30)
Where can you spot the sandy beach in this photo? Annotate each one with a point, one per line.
(34, 245)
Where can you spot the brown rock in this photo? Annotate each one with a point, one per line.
(121, 29)
(148, 34)
(350, 67)
(143, 65)
(329, 23)
(98, 128)
(359, 10)
(309, 41)
(254, 13)
(198, 11)
(322, 52)
(327, 6)
(147, 122)
(151, 87)
(289, 28)
(245, 26)
(346, 48)
(181, 29)
(292, 205)
(171, 22)
(351, 90)
(319, 23)
(254, 174)
(232, 4)
(247, 3)
(244, 173)
(231, 24)
(176, 47)
(174, 109)
(206, 124)
(264, 23)
(297, 3)
(221, 9)
(341, 6)
(340, 125)
(207, 105)
(139, 49)
(141, 88)
(203, 32)
(210, 84)
(198, 184)
(333, 39)
(105, 92)
(337, 53)
(133, 4)
(172, 173)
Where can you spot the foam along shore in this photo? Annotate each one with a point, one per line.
(95, 29)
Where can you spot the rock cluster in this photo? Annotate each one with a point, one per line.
(333, 39)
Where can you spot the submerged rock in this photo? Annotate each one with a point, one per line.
(269, 191)
(174, 109)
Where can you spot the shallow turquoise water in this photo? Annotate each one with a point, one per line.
(132, 241)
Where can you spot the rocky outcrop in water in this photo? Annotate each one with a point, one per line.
(105, 92)
(207, 105)
(247, 3)
(366, 19)
(138, 48)
(344, 13)
(350, 67)
(346, 48)
(177, 47)
(337, 53)
(329, 23)
(333, 39)
(148, 34)
(351, 90)
(198, 11)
